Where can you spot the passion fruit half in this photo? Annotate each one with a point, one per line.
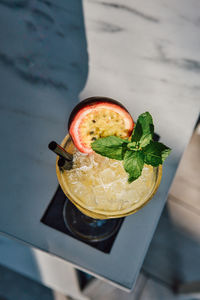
(98, 117)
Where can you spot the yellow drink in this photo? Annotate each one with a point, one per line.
(99, 186)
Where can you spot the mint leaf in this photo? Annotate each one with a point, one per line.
(133, 164)
(144, 129)
(155, 153)
(137, 133)
(111, 146)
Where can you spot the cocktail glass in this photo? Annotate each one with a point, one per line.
(92, 221)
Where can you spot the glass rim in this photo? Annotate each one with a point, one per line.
(101, 215)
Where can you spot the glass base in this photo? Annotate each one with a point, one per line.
(86, 228)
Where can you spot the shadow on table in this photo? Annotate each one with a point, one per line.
(44, 67)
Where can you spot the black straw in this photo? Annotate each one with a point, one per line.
(65, 164)
(53, 146)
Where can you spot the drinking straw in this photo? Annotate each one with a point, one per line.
(65, 164)
(53, 146)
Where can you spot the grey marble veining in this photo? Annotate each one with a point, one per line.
(145, 54)
(42, 45)
(129, 9)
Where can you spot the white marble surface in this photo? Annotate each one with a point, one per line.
(145, 54)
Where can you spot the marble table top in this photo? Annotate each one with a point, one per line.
(54, 53)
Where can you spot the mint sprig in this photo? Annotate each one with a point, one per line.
(140, 150)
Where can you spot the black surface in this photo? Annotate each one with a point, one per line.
(83, 279)
(53, 217)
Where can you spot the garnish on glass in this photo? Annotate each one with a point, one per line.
(136, 151)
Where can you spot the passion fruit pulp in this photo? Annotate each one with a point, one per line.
(98, 117)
